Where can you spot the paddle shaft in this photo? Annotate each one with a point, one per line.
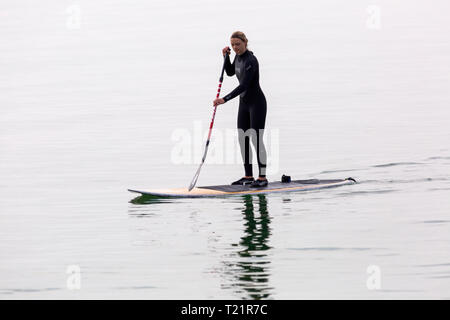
(194, 180)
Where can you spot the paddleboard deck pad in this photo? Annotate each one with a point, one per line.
(226, 190)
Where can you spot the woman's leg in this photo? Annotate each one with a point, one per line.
(243, 124)
(258, 120)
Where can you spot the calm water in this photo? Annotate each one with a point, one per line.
(96, 97)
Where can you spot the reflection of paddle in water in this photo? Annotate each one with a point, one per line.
(252, 263)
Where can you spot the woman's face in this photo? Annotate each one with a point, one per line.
(238, 45)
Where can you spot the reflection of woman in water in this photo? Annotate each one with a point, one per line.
(253, 275)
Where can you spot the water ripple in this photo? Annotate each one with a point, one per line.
(394, 164)
(438, 158)
(355, 193)
(11, 291)
(436, 221)
(330, 249)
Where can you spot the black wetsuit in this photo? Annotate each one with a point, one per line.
(252, 109)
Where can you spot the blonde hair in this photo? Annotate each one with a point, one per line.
(240, 35)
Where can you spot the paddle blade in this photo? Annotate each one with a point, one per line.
(194, 180)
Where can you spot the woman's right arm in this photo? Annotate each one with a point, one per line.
(229, 67)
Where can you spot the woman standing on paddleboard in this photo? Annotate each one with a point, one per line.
(252, 108)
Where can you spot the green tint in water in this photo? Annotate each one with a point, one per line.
(250, 268)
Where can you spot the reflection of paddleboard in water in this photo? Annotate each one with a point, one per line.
(225, 190)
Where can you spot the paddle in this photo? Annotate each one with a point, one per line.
(194, 180)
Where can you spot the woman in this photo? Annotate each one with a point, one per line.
(252, 108)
